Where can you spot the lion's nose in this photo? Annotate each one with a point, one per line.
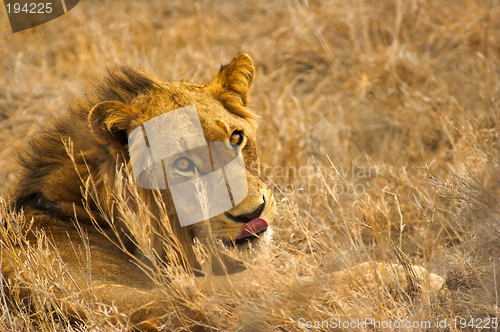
(246, 217)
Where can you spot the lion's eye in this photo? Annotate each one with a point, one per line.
(236, 137)
(183, 164)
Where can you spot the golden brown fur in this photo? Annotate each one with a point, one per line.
(49, 187)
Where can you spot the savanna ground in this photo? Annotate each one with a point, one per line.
(397, 101)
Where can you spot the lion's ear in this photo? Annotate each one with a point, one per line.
(233, 81)
(110, 120)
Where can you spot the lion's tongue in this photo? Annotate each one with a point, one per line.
(252, 227)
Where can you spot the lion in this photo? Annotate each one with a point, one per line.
(78, 174)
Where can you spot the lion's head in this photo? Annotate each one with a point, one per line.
(99, 130)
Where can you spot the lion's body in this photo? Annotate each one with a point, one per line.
(71, 171)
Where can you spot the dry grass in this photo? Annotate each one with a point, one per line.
(406, 89)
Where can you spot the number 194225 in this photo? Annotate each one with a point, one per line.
(30, 8)
(478, 323)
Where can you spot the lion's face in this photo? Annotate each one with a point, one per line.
(219, 125)
(222, 112)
